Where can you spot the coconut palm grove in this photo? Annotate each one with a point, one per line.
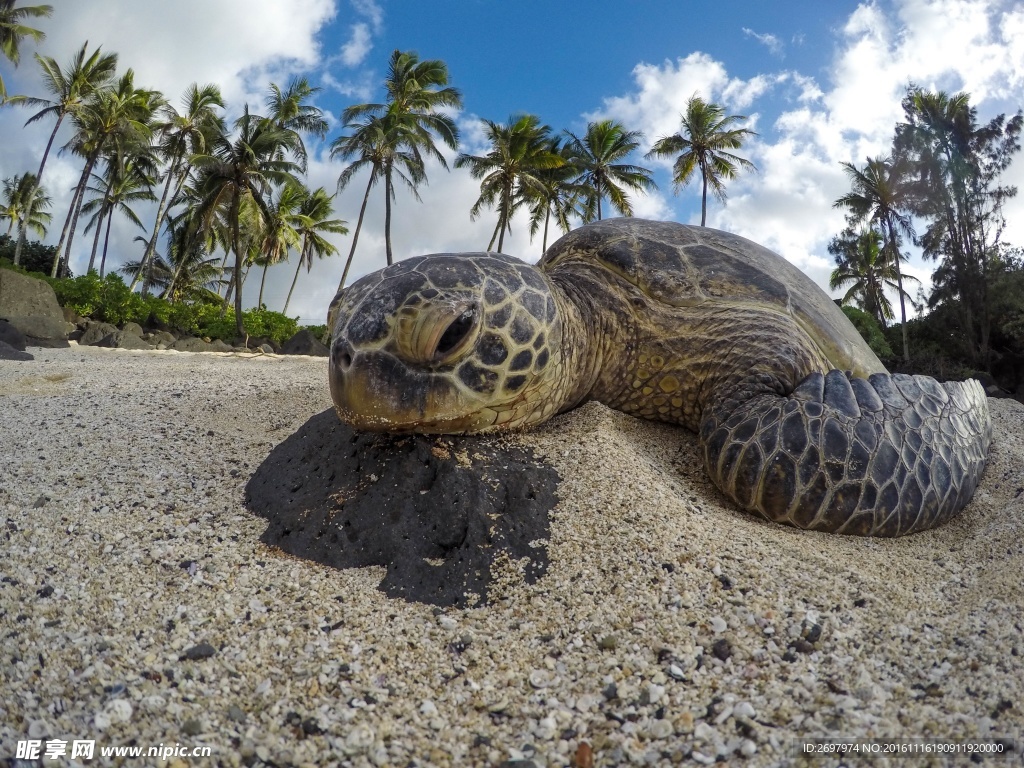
(231, 197)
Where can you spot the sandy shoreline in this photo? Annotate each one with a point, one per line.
(669, 628)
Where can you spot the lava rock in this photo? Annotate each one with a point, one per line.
(11, 336)
(30, 305)
(95, 331)
(7, 352)
(198, 652)
(160, 337)
(133, 328)
(304, 343)
(122, 340)
(190, 344)
(349, 500)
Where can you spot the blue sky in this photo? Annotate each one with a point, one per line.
(820, 82)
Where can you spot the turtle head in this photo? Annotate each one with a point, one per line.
(445, 344)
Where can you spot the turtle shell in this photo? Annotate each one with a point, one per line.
(686, 266)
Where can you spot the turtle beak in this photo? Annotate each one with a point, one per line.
(375, 392)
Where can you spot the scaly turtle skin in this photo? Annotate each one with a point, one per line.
(798, 420)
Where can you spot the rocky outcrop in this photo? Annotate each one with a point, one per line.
(133, 328)
(11, 336)
(190, 344)
(160, 337)
(7, 352)
(122, 340)
(95, 331)
(304, 343)
(30, 305)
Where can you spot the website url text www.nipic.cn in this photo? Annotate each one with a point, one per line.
(85, 749)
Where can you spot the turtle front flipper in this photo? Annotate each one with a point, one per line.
(885, 456)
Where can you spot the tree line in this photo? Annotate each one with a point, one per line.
(940, 189)
(238, 190)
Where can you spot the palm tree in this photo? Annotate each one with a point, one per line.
(183, 134)
(116, 117)
(862, 264)
(13, 31)
(701, 145)
(954, 164)
(237, 172)
(127, 181)
(388, 145)
(191, 272)
(316, 210)
(280, 232)
(194, 234)
(369, 146)
(558, 193)
(70, 88)
(595, 157)
(510, 173)
(288, 111)
(878, 195)
(24, 205)
(416, 92)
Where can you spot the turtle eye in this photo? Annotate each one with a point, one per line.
(436, 335)
(456, 334)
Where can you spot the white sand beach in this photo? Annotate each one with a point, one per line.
(139, 607)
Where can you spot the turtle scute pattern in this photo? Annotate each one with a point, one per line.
(885, 456)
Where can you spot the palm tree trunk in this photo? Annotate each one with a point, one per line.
(505, 214)
(160, 211)
(71, 214)
(263, 282)
(387, 216)
(78, 207)
(239, 329)
(106, 243)
(704, 198)
(899, 283)
(294, 281)
(597, 188)
(223, 269)
(497, 227)
(35, 189)
(228, 293)
(96, 238)
(544, 243)
(355, 236)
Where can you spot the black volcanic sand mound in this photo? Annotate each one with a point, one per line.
(350, 499)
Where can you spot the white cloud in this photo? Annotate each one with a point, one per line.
(974, 45)
(358, 46)
(234, 43)
(371, 11)
(768, 40)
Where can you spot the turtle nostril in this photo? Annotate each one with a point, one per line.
(342, 356)
(456, 333)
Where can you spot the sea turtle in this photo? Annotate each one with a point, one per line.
(797, 418)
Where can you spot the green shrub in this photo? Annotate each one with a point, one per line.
(110, 300)
(272, 325)
(36, 258)
(107, 299)
(867, 326)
